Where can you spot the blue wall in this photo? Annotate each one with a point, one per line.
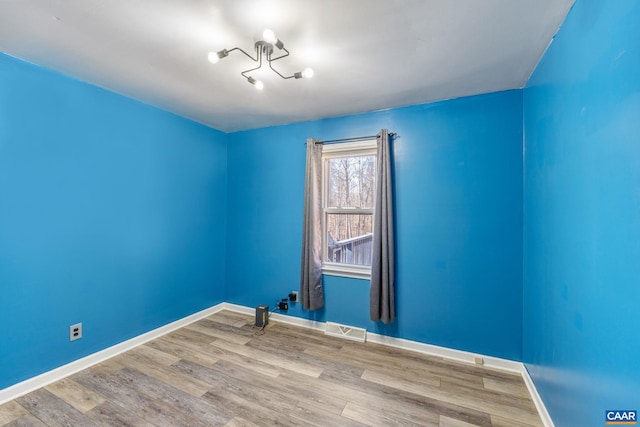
(458, 171)
(582, 215)
(112, 213)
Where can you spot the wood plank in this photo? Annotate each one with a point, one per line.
(25, 421)
(219, 334)
(465, 400)
(249, 363)
(402, 411)
(219, 379)
(503, 376)
(398, 402)
(232, 318)
(75, 394)
(280, 362)
(108, 366)
(137, 360)
(499, 421)
(412, 365)
(289, 388)
(182, 351)
(189, 335)
(317, 416)
(244, 330)
(452, 422)
(418, 361)
(425, 374)
(149, 355)
(296, 352)
(278, 342)
(240, 422)
(490, 396)
(215, 353)
(129, 394)
(52, 410)
(510, 388)
(11, 411)
(110, 414)
(374, 418)
(250, 410)
(310, 336)
(179, 401)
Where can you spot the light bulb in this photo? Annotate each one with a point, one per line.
(257, 83)
(269, 36)
(213, 57)
(307, 73)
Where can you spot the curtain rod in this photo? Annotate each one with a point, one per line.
(356, 138)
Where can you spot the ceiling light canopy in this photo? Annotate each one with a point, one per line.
(264, 48)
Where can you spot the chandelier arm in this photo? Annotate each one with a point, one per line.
(259, 60)
(246, 54)
(270, 60)
(279, 57)
(276, 71)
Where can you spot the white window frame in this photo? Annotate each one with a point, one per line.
(331, 151)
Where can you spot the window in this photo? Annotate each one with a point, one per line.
(348, 191)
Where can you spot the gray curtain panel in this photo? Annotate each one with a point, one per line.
(311, 292)
(382, 294)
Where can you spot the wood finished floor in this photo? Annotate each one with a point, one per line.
(217, 372)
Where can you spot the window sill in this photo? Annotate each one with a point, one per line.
(351, 271)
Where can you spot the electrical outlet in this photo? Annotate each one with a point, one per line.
(283, 305)
(75, 332)
(479, 360)
(293, 296)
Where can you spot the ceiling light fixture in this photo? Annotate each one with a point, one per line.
(264, 48)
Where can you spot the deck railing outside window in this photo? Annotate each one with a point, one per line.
(355, 251)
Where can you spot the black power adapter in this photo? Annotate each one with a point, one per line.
(283, 305)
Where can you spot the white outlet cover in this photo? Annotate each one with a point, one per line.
(75, 332)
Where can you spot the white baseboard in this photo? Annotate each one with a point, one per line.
(432, 350)
(42, 380)
(57, 374)
(537, 400)
(447, 353)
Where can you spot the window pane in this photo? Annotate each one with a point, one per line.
(350, 182)
(349, 238)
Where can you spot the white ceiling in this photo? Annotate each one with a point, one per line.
(367, 54)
